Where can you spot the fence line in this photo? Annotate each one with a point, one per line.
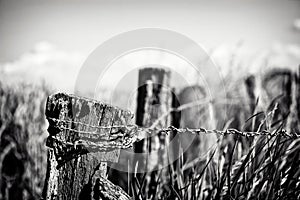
(126, 135)
(85, 134)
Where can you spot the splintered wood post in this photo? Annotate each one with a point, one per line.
(79, 149)
(154, 99)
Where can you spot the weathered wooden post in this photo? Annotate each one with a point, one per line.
(81, 140)
(154, 99)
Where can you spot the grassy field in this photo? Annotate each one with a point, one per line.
(262, 167)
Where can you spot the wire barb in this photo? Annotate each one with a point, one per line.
(123, 136)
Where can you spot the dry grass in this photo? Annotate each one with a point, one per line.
(265, 167)
(269, 169)
(22, 144)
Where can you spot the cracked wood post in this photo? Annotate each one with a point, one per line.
(154, 99)
(77, 171)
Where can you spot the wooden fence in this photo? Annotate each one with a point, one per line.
(85, 134)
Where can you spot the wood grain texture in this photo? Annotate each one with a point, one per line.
(73, 171)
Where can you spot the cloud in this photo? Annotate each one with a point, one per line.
(297, 24)
(46, 62)
(59, 68)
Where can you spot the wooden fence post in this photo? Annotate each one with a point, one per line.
(75, 169)
(297, 99)
(293, 125)
(175, 121)
(154, 99)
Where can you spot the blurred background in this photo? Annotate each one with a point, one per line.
(44, 43)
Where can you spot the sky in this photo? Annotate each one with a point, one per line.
(83, 25)
(50, 39)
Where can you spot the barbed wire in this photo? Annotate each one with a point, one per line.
(124, 136)
(105, 138)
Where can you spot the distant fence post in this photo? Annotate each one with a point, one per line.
(175, 121)
(293, 124)
(75, 169)
(154, 99)
(298, 97)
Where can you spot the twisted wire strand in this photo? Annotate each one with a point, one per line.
(124, 136)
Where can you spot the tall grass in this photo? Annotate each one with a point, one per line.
(264, 167)
(270, 170)
(22, 141)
